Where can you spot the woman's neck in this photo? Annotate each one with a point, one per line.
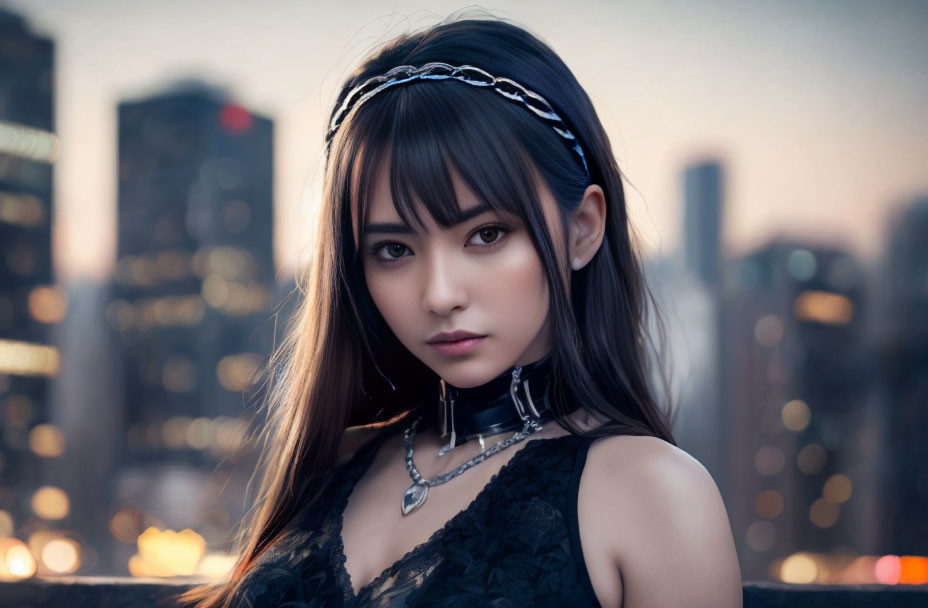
(497, 406)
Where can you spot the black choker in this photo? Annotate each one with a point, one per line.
(492, 408)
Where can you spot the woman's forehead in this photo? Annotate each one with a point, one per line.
(381, 208)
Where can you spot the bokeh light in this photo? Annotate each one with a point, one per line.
(768, 331)
(50, 502)
(761, 535)
(798, 568)
(769, 460)
(824, 514)
(811, 459)
(61, 555)
(46, 440)
(164, 553)
(769, 504)
(837, 488)
(796, 415)
(16, 561)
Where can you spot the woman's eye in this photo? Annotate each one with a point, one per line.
(490, 235)
(487, 236)
(391, 249)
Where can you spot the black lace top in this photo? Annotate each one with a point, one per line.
(516, 544)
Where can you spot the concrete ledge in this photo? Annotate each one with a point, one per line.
(99, 592)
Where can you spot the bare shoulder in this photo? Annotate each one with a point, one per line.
(663, 522)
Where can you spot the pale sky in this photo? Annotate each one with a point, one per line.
(817, 108)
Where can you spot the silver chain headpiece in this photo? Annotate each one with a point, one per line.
(468, 74)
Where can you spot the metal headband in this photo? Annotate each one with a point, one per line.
(468, 74)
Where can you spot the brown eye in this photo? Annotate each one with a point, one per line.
(490, 235)
(492, 232)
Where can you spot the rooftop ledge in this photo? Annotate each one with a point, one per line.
(107, 592)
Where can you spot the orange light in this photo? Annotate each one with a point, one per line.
(913, 570)
(823, 307)
(48, 304)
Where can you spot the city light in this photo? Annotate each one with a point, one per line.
(21, 209)
(801, 264)
(46, 440)
(768, 331)
(769, 460)
(823, 307)
(28, 359)
(888, 570)
(823, 514)
(235, 118)
(796, 415)
(6, 523)
(811, 459)
(126, 525)
(236, 372)
(769, 504)
(28, 142)
(846, 568)
(48, 304)
(837, 488)
(761, 535)
(16, 561)
(799, 568)
(167, 553)
(50, 502)
(61, 555)
(216, 565)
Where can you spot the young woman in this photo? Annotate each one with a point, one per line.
(476, 315)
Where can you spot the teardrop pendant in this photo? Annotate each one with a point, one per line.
(414, 497)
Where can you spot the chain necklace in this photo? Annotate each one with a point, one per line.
(419, 490)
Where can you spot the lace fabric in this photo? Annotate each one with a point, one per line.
(515, 544)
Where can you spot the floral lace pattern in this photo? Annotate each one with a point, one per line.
(512, 546)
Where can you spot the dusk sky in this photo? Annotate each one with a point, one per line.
(817, 108)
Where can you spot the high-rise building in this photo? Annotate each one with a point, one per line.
(195, 266)
(702, 220)
(30, 303)
(794, 383)
(903, 382)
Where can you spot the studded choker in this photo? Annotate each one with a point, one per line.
(501, 405)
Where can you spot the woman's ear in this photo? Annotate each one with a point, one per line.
(587, 227)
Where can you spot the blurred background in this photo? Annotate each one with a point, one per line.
(160, 168)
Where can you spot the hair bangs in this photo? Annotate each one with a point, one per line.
(431, 134)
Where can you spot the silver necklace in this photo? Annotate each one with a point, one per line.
(419, 490)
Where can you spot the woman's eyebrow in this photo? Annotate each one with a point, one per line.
(405, 229)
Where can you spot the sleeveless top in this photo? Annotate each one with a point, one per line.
(516, 544)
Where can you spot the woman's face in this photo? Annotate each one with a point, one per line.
(482, 276)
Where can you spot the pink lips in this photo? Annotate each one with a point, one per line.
(458, 347)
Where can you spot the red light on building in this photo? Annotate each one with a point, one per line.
(234, 118)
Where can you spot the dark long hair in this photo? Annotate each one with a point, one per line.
(341, 365)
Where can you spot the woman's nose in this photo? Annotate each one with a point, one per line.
(444, 287)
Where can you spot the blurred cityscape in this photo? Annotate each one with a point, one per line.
(801, 373)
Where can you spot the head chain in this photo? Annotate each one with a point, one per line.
(468, 74)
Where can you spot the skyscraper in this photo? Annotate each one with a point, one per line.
(195, 264)
(795, 383)
(702, 220)
(903, 381)
(29, 302)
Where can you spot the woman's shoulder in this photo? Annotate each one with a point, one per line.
(661, 516)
